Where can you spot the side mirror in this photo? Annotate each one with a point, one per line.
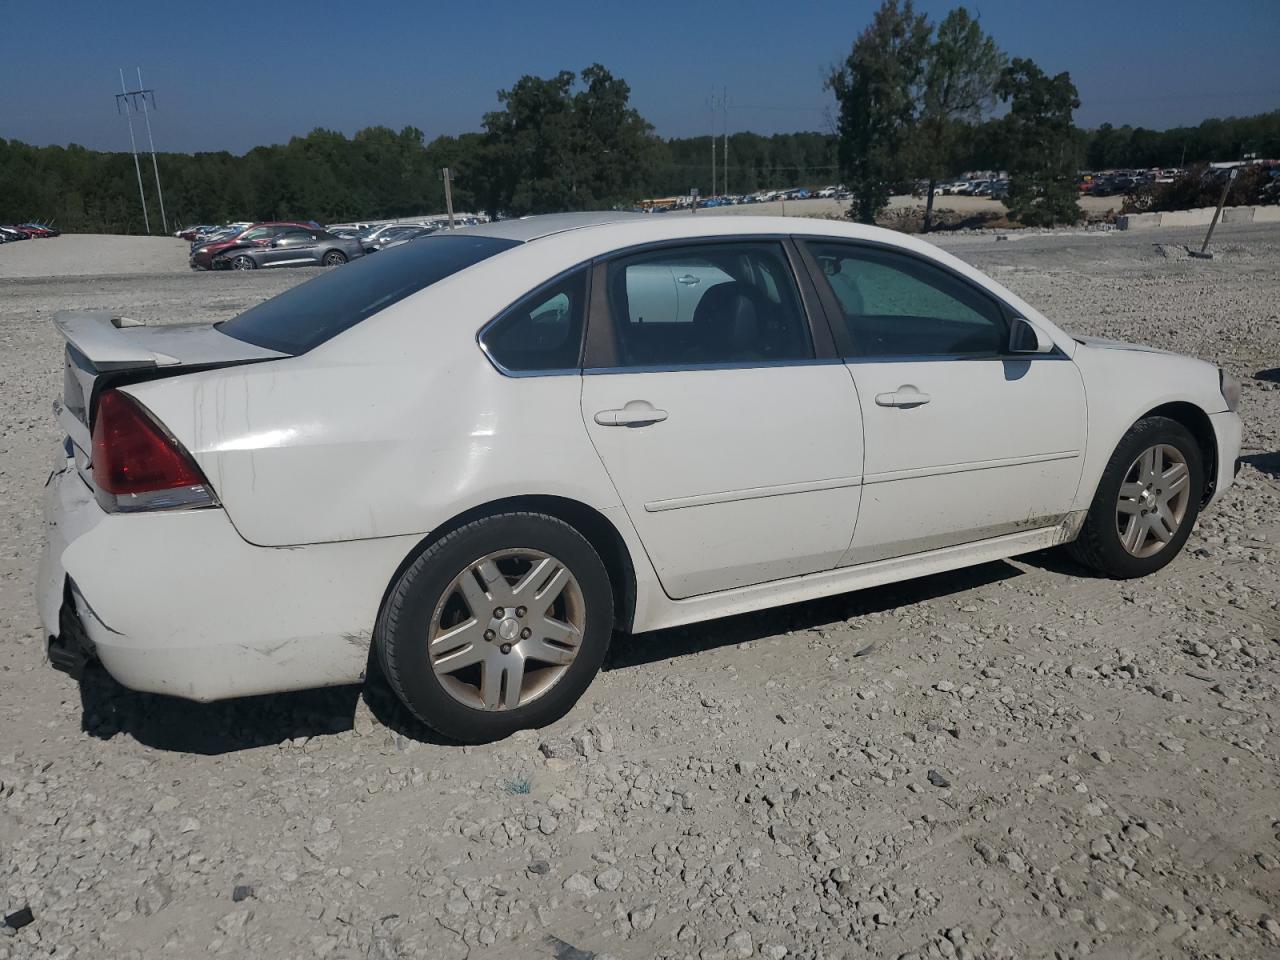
(1026, 337)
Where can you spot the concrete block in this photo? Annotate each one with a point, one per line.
(1266, 214)
(1138, 221)
(1238, 214)
(1200, 216)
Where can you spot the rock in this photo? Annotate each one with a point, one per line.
(609, 879)
(579, 883)
(241, 891)
(1013, 861)
(739, 945)
(642, 918)
(19, 918)
(938, 780)
(539, 867)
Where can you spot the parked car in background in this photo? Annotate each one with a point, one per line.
(291, 247)
(425, 452)
(391, 234)
(11, 234)
(413, 233)
(258, 235)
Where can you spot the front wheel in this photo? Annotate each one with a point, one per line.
(1146, 503)
(498, 626)
(334, 258)
(243, 262)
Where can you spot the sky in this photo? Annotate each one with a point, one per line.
(233, 75)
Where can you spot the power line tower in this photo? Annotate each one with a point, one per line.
(142, 100)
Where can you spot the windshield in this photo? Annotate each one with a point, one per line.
(311, 313)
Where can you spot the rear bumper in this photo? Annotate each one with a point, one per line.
(178, 603)
(1227, 429)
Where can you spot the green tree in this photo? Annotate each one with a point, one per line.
(556, 148)
(877, 90)
(1041, 143)
(961, 70)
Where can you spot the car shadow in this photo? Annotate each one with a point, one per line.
(228, 726)
(1270, 375)
(642, 648)
(169, 723)
(1268, 463)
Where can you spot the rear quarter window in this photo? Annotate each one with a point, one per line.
(307, 315)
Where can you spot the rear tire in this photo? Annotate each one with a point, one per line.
(1146, 502)
(496, 627)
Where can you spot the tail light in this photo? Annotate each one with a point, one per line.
(138, 465)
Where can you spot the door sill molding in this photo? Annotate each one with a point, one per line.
(672, 613)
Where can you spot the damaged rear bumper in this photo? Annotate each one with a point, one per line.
(178, 603)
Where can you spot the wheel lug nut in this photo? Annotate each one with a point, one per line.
(521, 611)
(526, 633)
(505, 648)
(488, 634)
(499, 613)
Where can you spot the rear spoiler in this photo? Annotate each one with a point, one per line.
(95, 334)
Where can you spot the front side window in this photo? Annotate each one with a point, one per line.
(307, 315)
(544, 330)
(896, 305)
(706, 304)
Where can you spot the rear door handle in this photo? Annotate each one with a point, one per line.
(636, 413)
(905, 396)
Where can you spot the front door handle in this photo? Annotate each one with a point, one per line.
(688, 279)
(905, 396)
(636, 413)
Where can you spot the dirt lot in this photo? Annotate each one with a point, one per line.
(1014, 761)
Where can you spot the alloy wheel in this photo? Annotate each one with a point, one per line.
(243, 263)
(1153, 500)
(506, 629)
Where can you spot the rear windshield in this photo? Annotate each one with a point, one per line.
(311, 313)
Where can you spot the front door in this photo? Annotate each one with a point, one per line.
(964, 440)
(735, 451)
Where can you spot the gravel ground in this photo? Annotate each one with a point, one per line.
(1012, 761)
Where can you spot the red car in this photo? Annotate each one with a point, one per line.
(260, 234)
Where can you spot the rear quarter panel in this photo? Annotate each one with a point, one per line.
(346, 444)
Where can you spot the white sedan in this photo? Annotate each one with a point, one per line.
(483, 453)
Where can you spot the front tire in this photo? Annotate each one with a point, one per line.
(243, 262)
(334, 258)
(497, 627)
(1146, 503)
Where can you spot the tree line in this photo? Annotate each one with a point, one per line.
(914, 101)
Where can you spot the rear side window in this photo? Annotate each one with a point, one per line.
(895, 305)
(311, 313)
(707, 303)
(543, 331)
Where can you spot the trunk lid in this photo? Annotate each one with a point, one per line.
(104, 350)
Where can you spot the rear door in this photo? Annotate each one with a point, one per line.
(964, 440)
(729, 428)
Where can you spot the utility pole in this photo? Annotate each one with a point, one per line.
(146, 115)
(724, 111)
(123, 99)
(712, 104)
(448, 194)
